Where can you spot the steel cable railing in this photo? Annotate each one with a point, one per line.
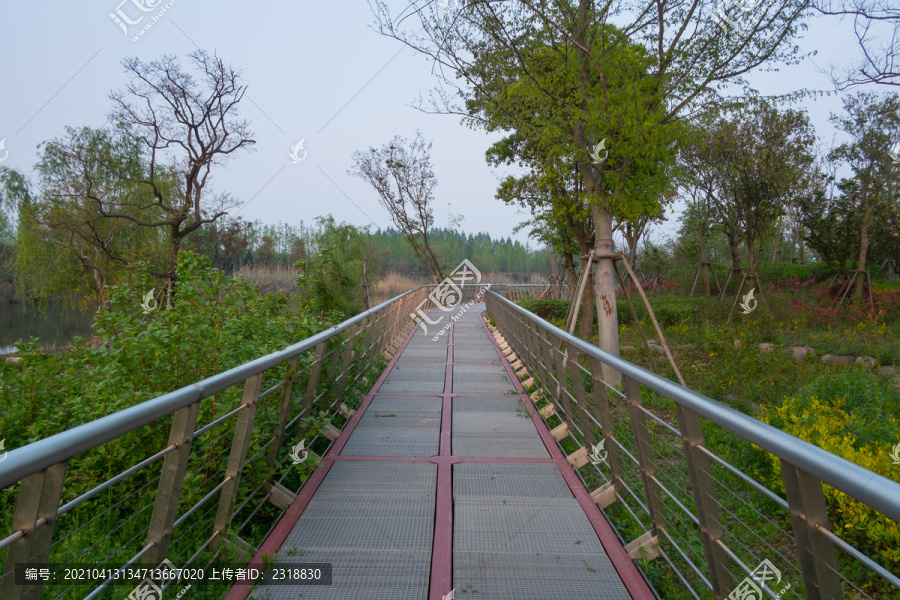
(218, 477)
(711, 523)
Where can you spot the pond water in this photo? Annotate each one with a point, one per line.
(55, 328)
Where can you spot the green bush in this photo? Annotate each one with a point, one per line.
(669, 309)
(550, 309)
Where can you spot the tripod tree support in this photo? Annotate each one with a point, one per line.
(662, 339)
(864, 277)
(572, 317)
(731, 272)
(747, 279)
(708, 268)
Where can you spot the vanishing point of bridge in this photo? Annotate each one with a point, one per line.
(466, 471)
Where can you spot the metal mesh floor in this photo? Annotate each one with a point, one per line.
(495, 428)
(374, 523)
(518, 532)
(397, 426)
(510, 521)
(482, 379)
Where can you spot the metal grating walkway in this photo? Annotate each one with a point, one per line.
(445, 479)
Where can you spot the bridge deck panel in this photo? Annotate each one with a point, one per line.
(413, 530)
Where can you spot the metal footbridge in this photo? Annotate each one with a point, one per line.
(483, 457)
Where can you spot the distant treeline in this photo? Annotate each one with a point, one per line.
(284, 244)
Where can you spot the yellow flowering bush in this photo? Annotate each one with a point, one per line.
(826, 425)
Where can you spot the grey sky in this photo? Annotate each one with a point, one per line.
(316, 70)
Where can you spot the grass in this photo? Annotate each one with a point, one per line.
(269, 279)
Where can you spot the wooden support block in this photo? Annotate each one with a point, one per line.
(504, 345)
(239, 546)
(536, 396)
(344, 410)
(516, 365)
(560, 432)
(646, 546)
(522, 374)
(280, 496)
(579, 458)
(604, 495)
(331, 432)
(527, 384)
(511, 356)
(548, 411)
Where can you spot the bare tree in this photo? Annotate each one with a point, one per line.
(405, 183)
(876, 25)
(187, 125)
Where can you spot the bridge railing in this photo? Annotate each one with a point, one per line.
(656, 455)
(196, 475)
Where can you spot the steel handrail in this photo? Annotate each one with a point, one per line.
(872, 489)
(39, 455)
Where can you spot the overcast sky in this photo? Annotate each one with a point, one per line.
(316, 71)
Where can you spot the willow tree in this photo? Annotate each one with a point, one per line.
(67, 244)
(687, 58)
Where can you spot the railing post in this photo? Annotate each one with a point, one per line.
(644, 450)
(243, 430)
(171, 480)
(365, 358)
(587, 428)
(39, 497)
(601, 399)
(279, 494)
(809, 513)
(704, 490)
(314, 371)
(540, 359)
(349, 351)
(561, 360)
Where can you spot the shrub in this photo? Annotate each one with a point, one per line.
(827, 425)
(550, 309)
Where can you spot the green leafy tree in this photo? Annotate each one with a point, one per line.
(873, 124)
(680, 72)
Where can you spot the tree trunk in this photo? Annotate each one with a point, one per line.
(365, 283)
(863, 250)
(607, 318)
(570, 274)
(703, 259)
